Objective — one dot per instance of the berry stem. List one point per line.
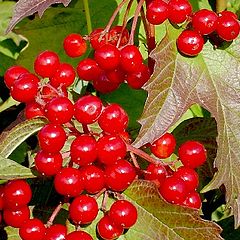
(88, 16)
(143, 155)
(104, 202)
(135, 19)
(100, 193)
(221, 5)
(54, 214)
(135, 163)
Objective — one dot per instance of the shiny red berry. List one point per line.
(74, 45)
(192, 154)
(77, 235)
(123, 213)
(116, 76)
(190, 43)
(164, 146)
(193, 200)
(56, 232)
(113, 119)
(69, 182)
(96, 39)
(46, 63)
(228, 13)
(83, 209)
(118, 32)
(33, 110)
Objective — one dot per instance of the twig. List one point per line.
(88, 16)
(54, 214)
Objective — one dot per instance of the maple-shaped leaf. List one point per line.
(212, 79)
(24, 8)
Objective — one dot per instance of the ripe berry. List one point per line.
(48, 164)
(116, 76)
(119, 175)
(192, 200)
(12, 74)
(25, 88)
(228, 27)
(123, 213)
(107, 57)
(1, 198)
(84, 150)
(74, 45)
(83, 209)
(93, 177)
(46, 63)
(69, 182)
(157, 12)
(107, 229)
(16, 218)
(173, 190)
(164, 146)
(63, 76)
(88, 69)
(156, 173)
(115, 33)
(33, 110)
(188, 175)
(48, 92)
(51, 138)
(110, 148)
(113, 119)
(76, 235)
(17, 193)
(32, 229)
(56, 232)
(179, 10)
(95, 39)
(131, 58)
(204, 21)
(228, 13)
(192, 154)
(59, 110)
(190, 43)
(87, 109)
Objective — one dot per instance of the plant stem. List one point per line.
(54, 214)
(88, 16)
(221, 5)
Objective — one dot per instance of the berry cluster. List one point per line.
(201, 23)
(177, 187)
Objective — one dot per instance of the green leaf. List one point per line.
(10, 140)
(178, 82)
(8, 103)
(9, 169)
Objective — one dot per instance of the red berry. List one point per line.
(192, 154)
(95, 39)
(59, 110)
(110, 149)
(48, 92)
(46, 63)
(77, 235)
(113, 119)
(164, 146)
(12, 74)
(87, 109)
(103, 85)
(188, 175)
(190, 43)
(119, 175)
(131, 58)
(52, 138)
(1, 198)
(156, 173)
(94, 180)
(179, 10)
(228, 28)
(74, 45)
(107, 57)
(116, 76)
(157, 12)
(192, 200)
(88, 70)
(137, 79)
(16, 218)
(56, 232)
(25, 88)
(32, 229)
(123, 213)
(33, 110)
(83, 209)
(17, 193)
(204, 21)
(69, 182)
(48, 164)
(115, 33)
(173, 190)
(228, 13)
(84, 150)
(63, 76)
(107, 229)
